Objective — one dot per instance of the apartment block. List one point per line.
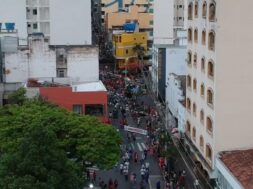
(219, 80)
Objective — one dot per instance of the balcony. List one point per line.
(197, 153)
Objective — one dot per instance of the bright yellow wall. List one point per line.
(124, 43)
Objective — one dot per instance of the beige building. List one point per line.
(219, 99)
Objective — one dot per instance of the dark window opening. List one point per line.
(94, 109)
(34, 11)
(78, 108)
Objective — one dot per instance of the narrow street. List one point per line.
(124, 109)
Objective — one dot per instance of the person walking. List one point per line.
(158, 184)
(94, 176)
(115, 184)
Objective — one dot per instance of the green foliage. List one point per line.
(17, 97)
(43, 146)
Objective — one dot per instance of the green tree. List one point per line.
(36, 129)
(17, 97)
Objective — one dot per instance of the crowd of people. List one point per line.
(124, 102)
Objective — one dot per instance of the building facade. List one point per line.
(219, 88)
(50, 17)
(169, 48)
(127, 47)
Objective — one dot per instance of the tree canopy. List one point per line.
(43, 146)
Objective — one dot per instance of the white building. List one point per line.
(40, 60)
(169, 48)
(219, 81)
(14, 11)
(175, 100)
(70, 22)
(61, 21)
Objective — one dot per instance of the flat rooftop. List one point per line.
(240, 164)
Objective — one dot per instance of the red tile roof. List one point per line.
(240, 164)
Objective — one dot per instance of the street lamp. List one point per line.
(91, 185)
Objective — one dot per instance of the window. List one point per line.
(190, 11)
(188, 128)
(211, 41)
(196, 9)
(78, 108)
(204, 10)
(196, 35)
(126, 51)
(195, 58)
(188, 104)
(61, 72)
(194, 109)
(202, 116)
(194, 133)
(151, 10)
(189, 59)
(28, 25)
(151, 22)
(201, 142)
(203, 37)
(35, 26)
(210, 97)
(203, 64)
(190, 35)
(120, 39)
(202, 90)
(189, 81)
(94, 109)
(209, 152)
(34, 11)
(210, 69)
(209, 125)
(195, 85)
(212, 12)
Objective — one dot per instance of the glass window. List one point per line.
(94, 109)
(78, 108)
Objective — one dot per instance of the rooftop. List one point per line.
(89, 87)
(240, 164)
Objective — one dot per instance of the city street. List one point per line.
(139, 145)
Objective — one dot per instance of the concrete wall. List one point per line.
(70, 22)
(42, 62)
(83, 64)
(234, 78)
(37, 62)
(176, 60)
(14, 11)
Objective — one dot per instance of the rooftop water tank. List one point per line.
(9, 26)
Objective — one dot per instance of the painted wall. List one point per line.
(233, 76)
(64, 97)
(70, 23)
(14, 11)
(83, 64)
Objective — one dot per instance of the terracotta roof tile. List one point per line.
(240, 164)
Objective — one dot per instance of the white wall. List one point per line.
(163, 21)
(16, 67)
(43, 60)
(14, 11)
(70, 22)
(41, 63)
(176, 60)
(83, 65)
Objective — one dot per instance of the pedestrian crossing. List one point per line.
(138, 146)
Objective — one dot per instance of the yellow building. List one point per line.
(127, 46)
